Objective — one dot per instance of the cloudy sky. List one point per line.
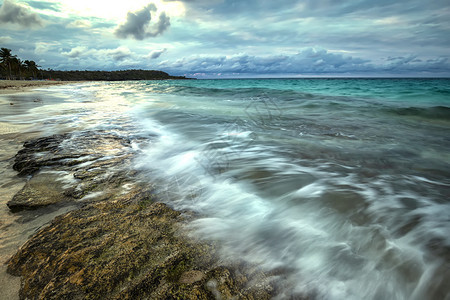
(233, 38)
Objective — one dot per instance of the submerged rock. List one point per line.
(121, 243)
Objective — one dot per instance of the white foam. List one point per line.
(336, 235)
(326, 253)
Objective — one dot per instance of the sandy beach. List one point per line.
(18, 86)
(12, 136)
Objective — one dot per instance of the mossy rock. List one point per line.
(121, 250)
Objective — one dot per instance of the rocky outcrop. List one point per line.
(126, 248)
(67, 167)
(121, 243)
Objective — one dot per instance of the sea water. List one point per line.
(340, 187)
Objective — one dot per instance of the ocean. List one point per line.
(342, 186)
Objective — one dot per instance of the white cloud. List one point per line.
(5, 39)
(75, 52)
(388, 21)
(79, 24)
(156, 53)
(307, 61)
(43, 47)
(117, 54)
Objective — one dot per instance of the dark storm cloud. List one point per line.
(17, 14)
(161, 26)
(138, 26)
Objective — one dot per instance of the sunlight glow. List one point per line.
(118, 11)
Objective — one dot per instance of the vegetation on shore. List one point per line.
(13, 68)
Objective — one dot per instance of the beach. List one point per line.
(18, 86)
(11, 139)
(307, 188)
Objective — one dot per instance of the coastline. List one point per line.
(101, 215)
(20, 86)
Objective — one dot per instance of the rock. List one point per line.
(127, 247)
(190, 277)
(37, 153)
(121, 243)
(40, 190)
(95, 161)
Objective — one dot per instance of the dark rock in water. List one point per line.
(94, 161)
(121, 243)
(128, 247)
(37, 153)
(67, 150)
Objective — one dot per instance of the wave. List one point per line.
(230, 92)
(435, 112)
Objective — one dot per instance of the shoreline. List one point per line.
(111, 218)
(20, 86)
(100, 214)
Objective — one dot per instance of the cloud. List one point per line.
(79, 24)
(308, 61)
(161, 26)
(5, 39)
(308, 8)
(43, 5)
(410, 63)
(138, 26)
(75, 52)
(42, 47)
(156, 53)
(117, 54)
(17, 14)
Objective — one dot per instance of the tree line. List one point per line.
(13, 68)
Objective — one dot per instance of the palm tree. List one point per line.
(19, 64)
(32, 67)
(6, 58)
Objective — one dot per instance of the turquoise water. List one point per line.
(416, 91)
(343, 183)
(340, 185)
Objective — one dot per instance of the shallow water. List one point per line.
(341, 185)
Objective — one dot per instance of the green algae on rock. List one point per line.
(118, 249)
(121, 243)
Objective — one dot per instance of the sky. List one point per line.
(233, 38)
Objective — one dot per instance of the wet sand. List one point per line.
(13, 230)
